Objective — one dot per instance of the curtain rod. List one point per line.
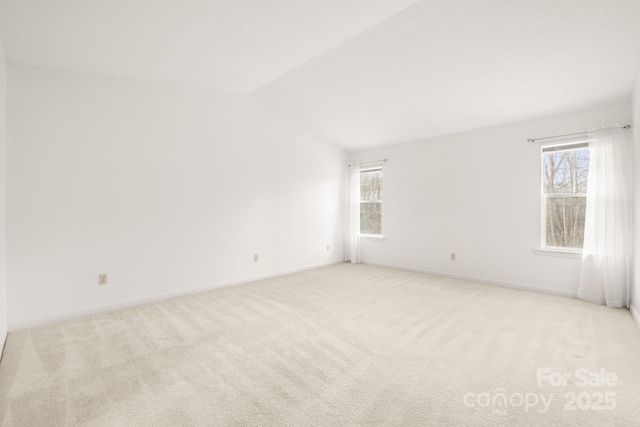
(568, 134)
(364, 163)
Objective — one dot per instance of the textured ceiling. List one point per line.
(360, 72)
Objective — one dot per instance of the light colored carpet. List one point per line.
(338, 346)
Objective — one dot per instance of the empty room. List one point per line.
(319, 213)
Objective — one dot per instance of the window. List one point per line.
(564, 186)
(371, 201)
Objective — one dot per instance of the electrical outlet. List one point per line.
(328, 247)
(102, 279)
(256, 258)
(453, 256)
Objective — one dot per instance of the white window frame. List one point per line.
(369, 169)
(579, 144)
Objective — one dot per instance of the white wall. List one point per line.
(476, 194)
(3, 235)
(635, 291)
(165, 188)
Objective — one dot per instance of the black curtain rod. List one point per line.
(568, 134)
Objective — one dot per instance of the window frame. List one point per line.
(379, 201)
(579, 144)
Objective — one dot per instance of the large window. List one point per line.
(564, 186)
(371, 201)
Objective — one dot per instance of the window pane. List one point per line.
(370, 218)
(566, 171)
(565, 221)
(371, 185)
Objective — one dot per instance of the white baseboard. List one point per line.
(636, 315)
(16, 326)
(482, 280)
(3, 339)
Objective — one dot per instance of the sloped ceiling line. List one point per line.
(362, 73)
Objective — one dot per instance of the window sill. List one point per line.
(372, 236)
(559, 252)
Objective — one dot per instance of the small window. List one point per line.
(371, 201)
(565, 169)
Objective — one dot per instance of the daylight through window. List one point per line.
(564, 188)
(371, 201)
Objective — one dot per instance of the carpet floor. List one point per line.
(345, 345)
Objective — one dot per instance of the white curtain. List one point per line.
(605, 275)
(353, 237)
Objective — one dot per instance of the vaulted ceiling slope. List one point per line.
(235, 45)
(361, 73)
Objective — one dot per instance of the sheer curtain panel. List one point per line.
(353, 237)
(605, 275)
